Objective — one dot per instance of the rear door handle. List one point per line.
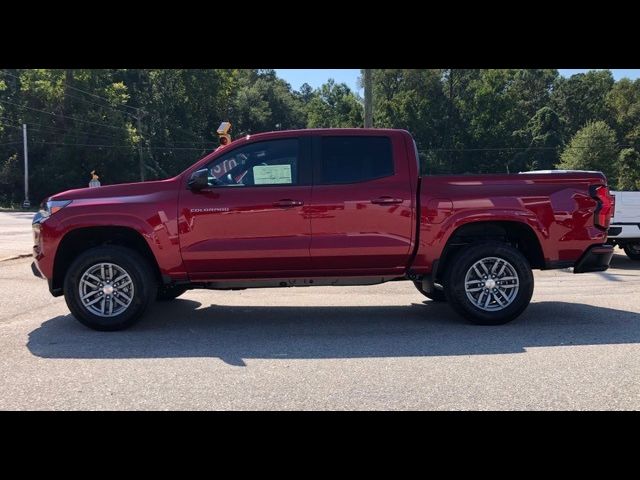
(386, 200)
(288, 203)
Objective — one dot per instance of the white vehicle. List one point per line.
(624, 229)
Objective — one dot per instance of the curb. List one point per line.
(15, 257)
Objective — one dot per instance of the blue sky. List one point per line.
(316, 77)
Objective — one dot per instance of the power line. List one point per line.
(82, 99)
(200, 148)
(9, 125)
(96, 96)
(56, 130)
(116, 146)
(94, 103)
(501, 149)
(92, 123)
(60, 115)
(59, 130)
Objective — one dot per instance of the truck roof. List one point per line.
(325, 131)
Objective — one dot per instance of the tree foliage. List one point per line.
(629, 169)
(592, 148)
(463, 120)
(334, 106)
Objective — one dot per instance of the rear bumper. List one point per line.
(623, 231)
(595, 259)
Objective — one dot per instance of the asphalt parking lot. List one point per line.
(383, 347)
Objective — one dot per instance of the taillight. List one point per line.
(605, 208)
(613, 205)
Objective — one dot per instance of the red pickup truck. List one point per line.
(319, 207)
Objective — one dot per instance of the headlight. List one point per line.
(52, 206)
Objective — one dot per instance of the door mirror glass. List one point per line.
(199, 180)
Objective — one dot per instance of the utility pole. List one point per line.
(26, 203)
(141, 159)
(368, 97)
(449, 122)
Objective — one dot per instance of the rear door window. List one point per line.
(345, 159)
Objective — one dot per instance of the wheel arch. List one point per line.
(515, 233)
(82, 239)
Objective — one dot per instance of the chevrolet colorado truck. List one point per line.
(625, 227)
(319, 207)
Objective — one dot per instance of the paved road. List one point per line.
(383, 347)
(15, 233)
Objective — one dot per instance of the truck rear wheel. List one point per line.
(108, 288)
(632, 250)
(435, 295)
(489, 283)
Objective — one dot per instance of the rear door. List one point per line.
(361, 207)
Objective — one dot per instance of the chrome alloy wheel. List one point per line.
(106, 290)
(491, 284)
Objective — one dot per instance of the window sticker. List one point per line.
(271, 174)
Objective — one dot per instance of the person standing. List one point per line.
(94, 180)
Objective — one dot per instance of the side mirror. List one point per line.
(199, 180)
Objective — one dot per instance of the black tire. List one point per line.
(142, 278)
(463, 262)
(632, 250)
(436, 295)
(169, 292)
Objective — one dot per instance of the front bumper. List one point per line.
(595, 259)
(36, 271)
(46, 237)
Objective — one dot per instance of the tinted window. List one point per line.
(273, 162)
(355, 159)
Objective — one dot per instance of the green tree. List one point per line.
(581, 98)
(545, 131)
(334, 105)
(184, 108)
(305, 94)
(623, 100)
(629, 169)
(415, 100)
(69, 133)
(263, 102)
(593, 147)
(463, 120)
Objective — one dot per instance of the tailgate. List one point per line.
(627, 207)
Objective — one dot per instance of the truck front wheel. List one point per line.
(489, 283)
(109, 287)
(632, 250)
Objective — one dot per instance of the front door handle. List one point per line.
(386, 200)
(288, 203)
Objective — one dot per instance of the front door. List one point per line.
(251, 221)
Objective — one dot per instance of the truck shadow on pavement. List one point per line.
(622, 262)
(183, 328)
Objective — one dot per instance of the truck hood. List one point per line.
(118, 190)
